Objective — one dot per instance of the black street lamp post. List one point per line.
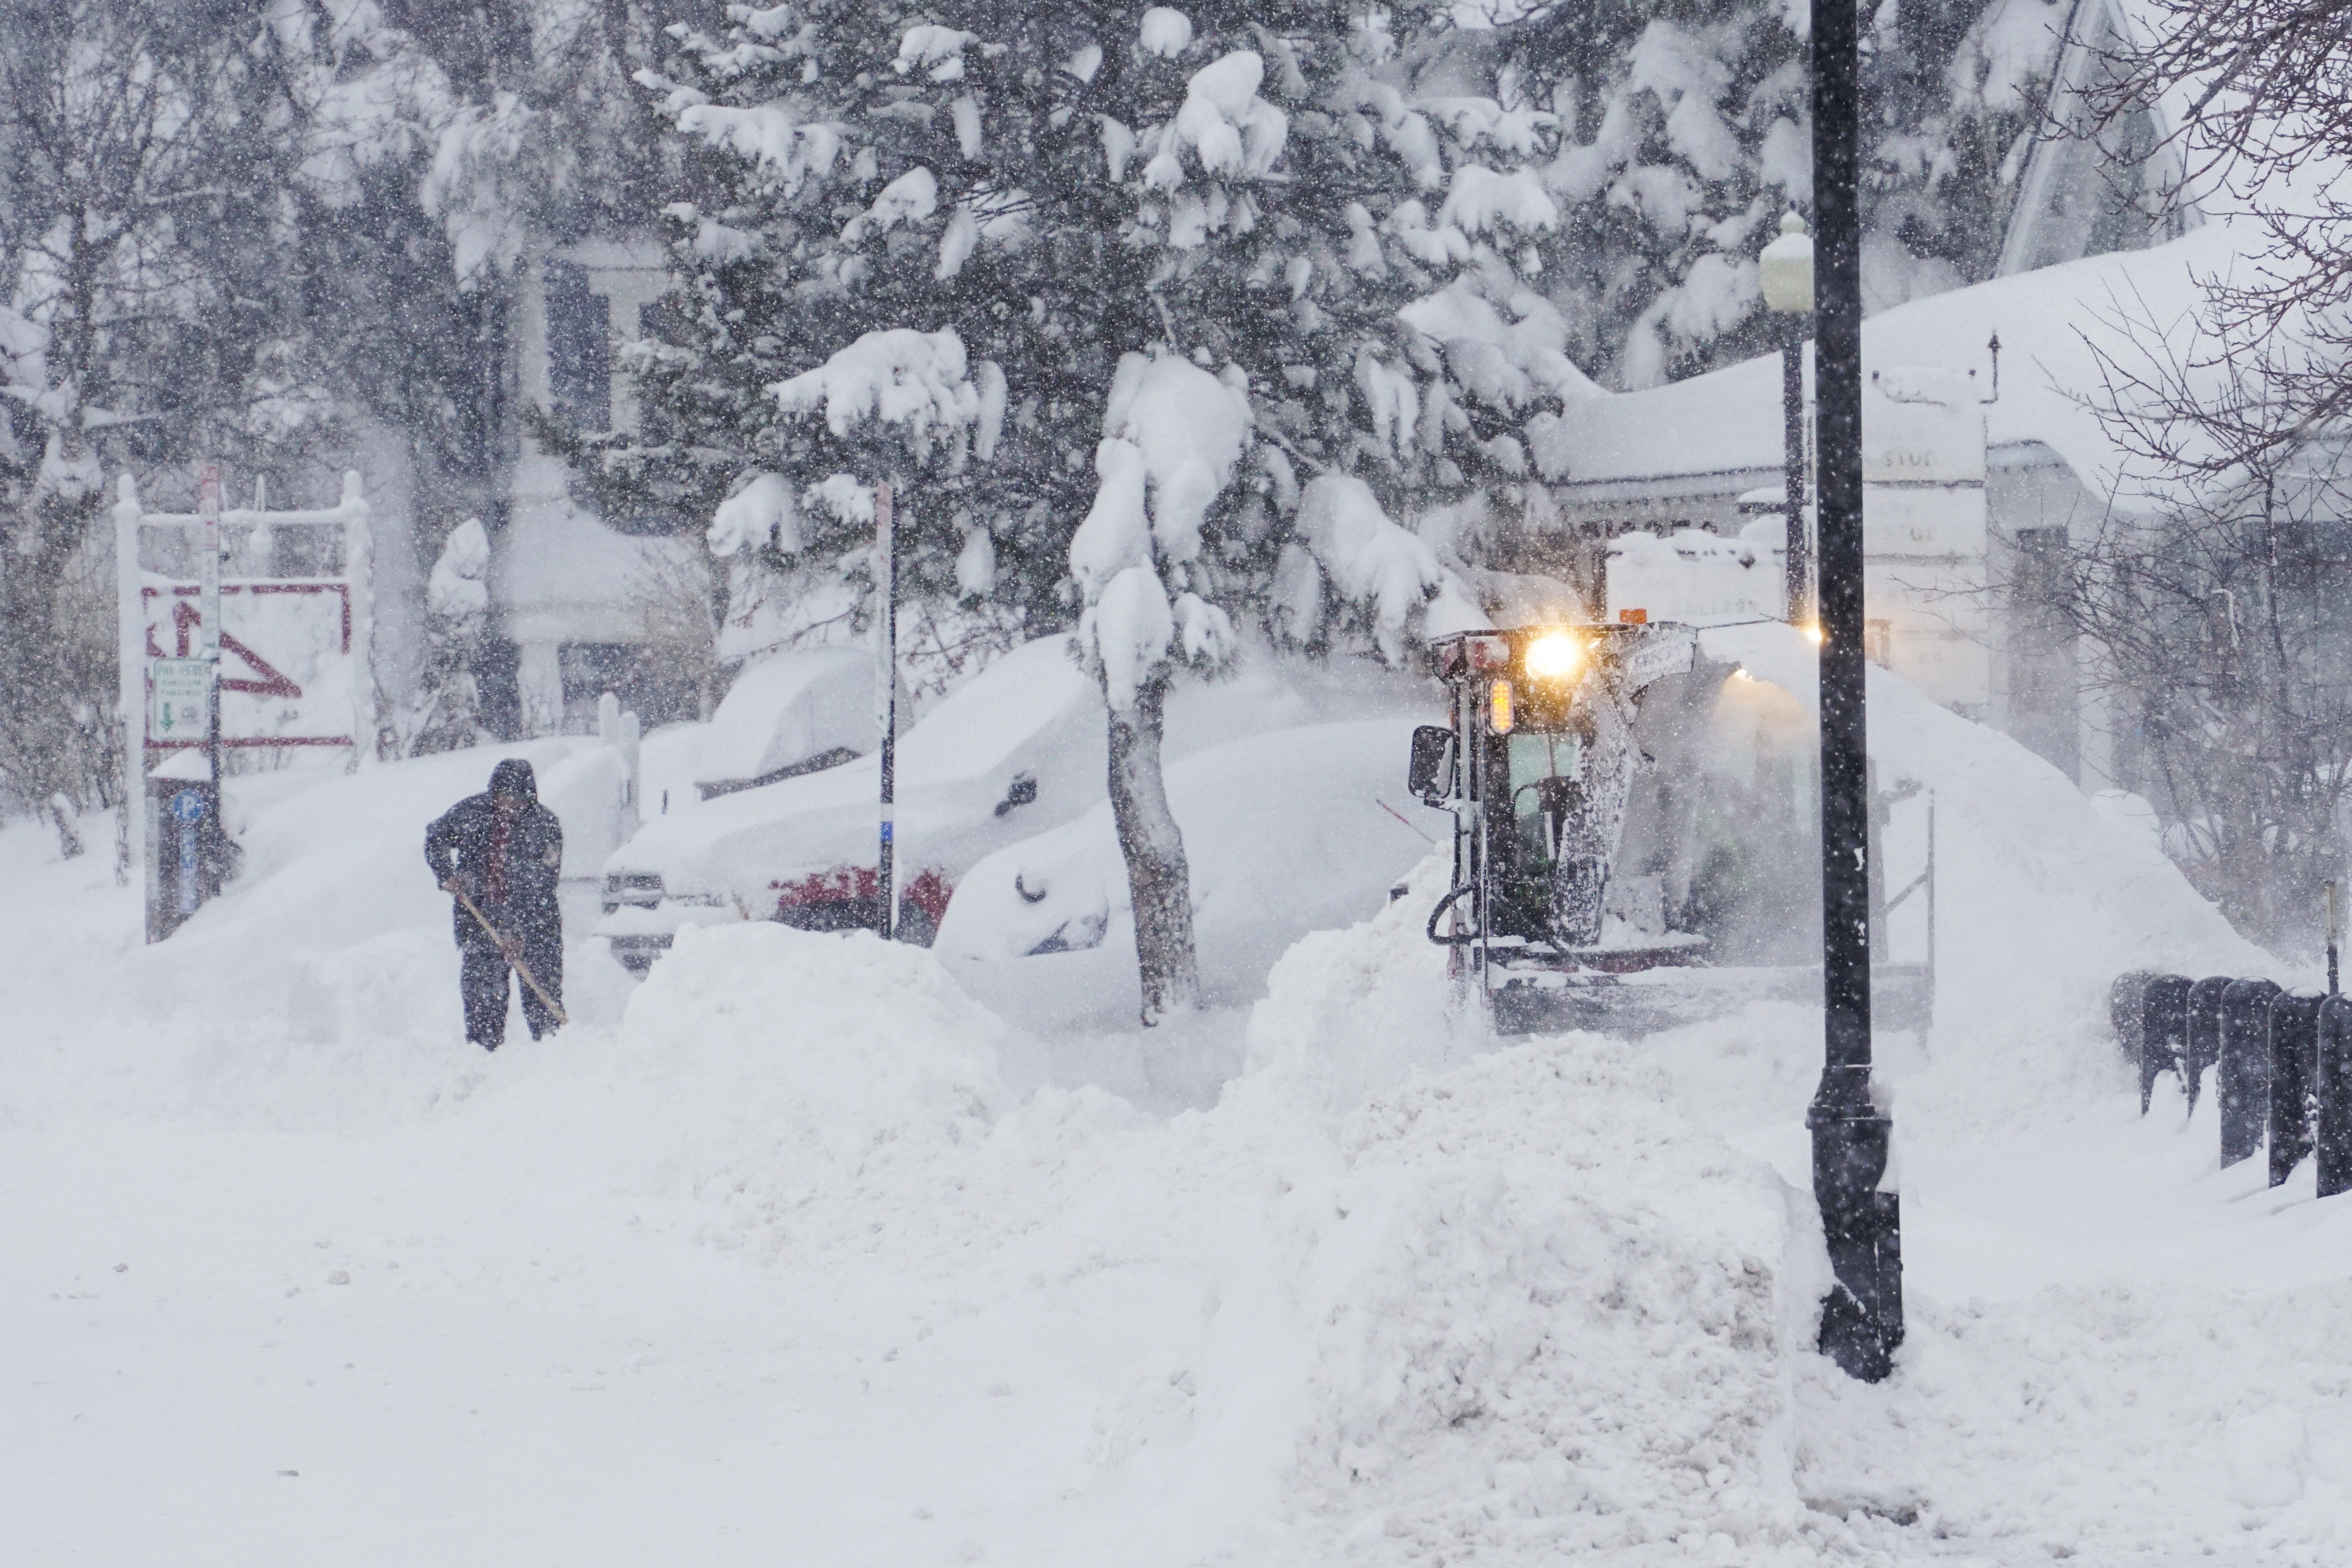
(1862, 1322)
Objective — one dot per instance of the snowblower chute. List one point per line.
(1636, 832)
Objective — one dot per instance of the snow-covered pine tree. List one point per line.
(145, 156)
(1184, 240)
(1687, 133)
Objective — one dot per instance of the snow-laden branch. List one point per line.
(1174, 437)
(917, 381)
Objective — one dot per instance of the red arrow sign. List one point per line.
(185, 618)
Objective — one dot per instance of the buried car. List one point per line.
(1286, 832)
(1014, 750)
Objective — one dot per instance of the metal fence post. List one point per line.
(2241, 1079)
(2202, 1040)
(2295, 1049)
(2163, 1034)
(2335, 1095)
(2126, 1006)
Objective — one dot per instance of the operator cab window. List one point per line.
(1536, 761)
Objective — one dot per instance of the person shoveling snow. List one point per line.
(499, 855)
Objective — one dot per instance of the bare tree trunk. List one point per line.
(1166, 962)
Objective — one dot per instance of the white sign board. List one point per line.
(182, 692)
(286, 664)
(1921, 443)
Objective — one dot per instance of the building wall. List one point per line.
(579, 601)
(2034, 504)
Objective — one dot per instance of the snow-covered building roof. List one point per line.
(1722, 432)
(2084, 194)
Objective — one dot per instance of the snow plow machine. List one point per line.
(1637, 835)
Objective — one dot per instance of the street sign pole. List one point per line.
(208, 649)
(885, 555)
(1861, 1320)
(208, 602)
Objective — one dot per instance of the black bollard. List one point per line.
(2163, 1031)
(2334, 1096)
(2295, 1050)
(2127, 1010)
(2201, 1045)
(2241, 1078)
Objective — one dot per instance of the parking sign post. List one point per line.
(188, 810)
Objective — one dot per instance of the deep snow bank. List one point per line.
(1510, 1306)
(2042, 899)
(798, 1070)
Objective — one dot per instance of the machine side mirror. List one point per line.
(1430, 777)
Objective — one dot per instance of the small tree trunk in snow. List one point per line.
(1154, 849)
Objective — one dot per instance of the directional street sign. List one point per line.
(184, 692)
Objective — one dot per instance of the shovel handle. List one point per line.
(506, 946)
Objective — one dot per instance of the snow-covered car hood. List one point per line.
(1032, 715)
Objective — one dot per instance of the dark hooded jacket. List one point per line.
(513, 881)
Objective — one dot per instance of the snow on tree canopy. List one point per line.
(910, 198)
(774, 136)
(1166, 33)
(1129, 629)
(975, 566)
(1229, 128)
(899, 376)
(1188, 428)
(1174, 437)
(1372, 563)
(940, 49)
(1481, 198)
(1505, 364)
(758, 515)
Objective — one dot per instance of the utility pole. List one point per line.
(1861, 1320)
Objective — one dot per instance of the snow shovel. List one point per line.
(496, 935)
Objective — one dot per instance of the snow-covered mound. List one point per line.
(1512, 1304)
(817, 1083)
(2042, 898)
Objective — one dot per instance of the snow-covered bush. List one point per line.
(446, 713)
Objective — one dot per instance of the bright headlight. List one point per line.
(1554, 655)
